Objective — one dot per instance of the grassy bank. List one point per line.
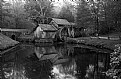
(96, 41)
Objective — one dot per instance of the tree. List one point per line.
(68, 11)
(1, 11)
(66, 14)
(83, 14)
(85, 17)
(39, 8)
(4, 12)
(93, 13)
(17, 12)
(113, 11)
(15, 16)
(104, 15)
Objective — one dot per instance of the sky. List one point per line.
(61, 3)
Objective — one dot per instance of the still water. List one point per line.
(30, 61)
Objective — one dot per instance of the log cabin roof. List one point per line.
(61, 21)
(47, 27)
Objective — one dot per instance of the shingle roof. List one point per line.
(61, 21)
(47, 27)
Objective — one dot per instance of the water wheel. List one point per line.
(63, 33)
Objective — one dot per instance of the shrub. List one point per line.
(115, 63)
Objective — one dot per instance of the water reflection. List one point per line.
(65, 70)
(14, 72)
(54, 62)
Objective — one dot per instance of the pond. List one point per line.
(59, 61)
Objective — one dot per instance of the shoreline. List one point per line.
(6, 43)
(8, 49)
(95, 42)
(98, 43)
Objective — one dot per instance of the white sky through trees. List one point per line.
(58, 4)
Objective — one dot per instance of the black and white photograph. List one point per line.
(60, 39)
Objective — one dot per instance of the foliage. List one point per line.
(115, 63)
(67, 10)
(85, 18)
(2, 13)
(39, 8)
(17, 13)
(12, 13)
(66, 14)
(102, 15)
(82, 13)
(113, 12)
